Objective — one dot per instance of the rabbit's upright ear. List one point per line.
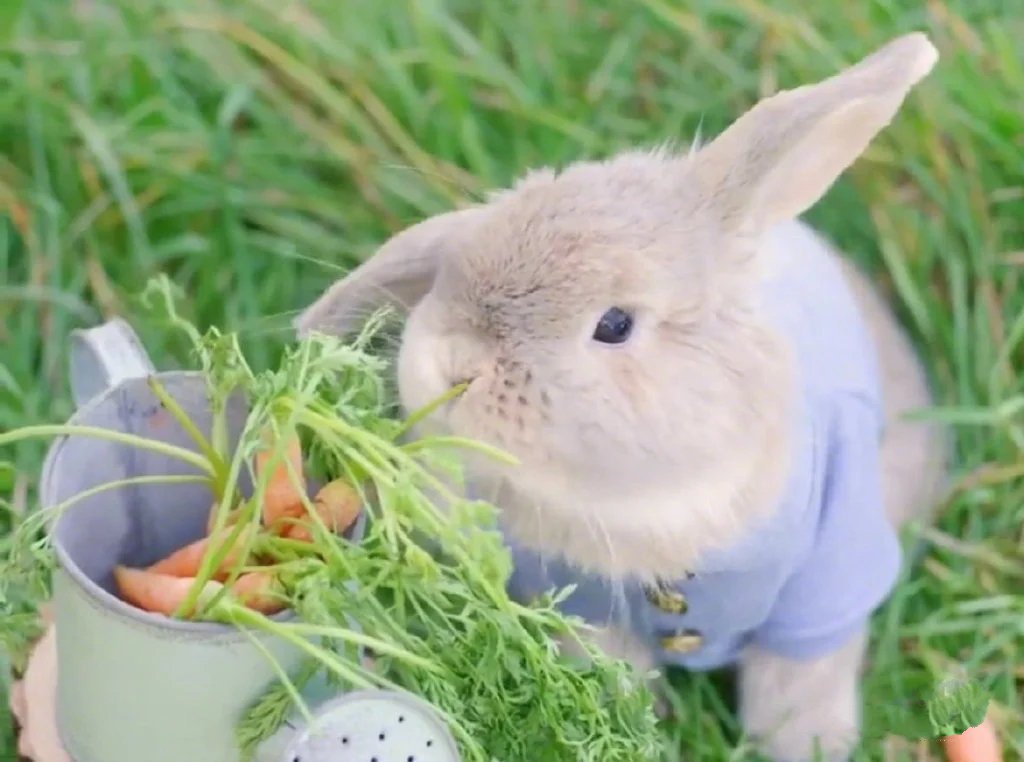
(399, 274)
(784, 154)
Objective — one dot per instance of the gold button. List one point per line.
(682, 642)
(667, 599)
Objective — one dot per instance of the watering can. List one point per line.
(139, 687)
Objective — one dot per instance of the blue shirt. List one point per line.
(807, 577)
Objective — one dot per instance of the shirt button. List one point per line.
(682, 642)
(666, 599)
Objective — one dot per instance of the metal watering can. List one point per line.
(138, 687)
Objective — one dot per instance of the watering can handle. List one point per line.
(104, 357)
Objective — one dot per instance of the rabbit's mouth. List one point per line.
(496, 415)
(507, 411)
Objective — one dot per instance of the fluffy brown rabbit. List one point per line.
(705, 400)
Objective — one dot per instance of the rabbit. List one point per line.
(704, 399)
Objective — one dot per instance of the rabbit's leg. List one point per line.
(792, 709)
(620, 643)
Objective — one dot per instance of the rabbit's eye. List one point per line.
(614, 326)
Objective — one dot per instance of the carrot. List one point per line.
(185, 562)
(283, 521)
(259, 591)
(158, 593)
(281, 496)
(977, 744)
(338, 506)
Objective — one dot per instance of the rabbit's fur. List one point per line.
(694, 411)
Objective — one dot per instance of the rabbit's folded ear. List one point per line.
(399, 274)
(780, 157)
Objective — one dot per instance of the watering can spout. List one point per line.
(104, 357)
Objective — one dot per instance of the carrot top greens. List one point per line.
(424, 588)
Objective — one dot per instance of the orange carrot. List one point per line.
(259, 591)
(977, 744)
(284, 520)
(338, 506)
(185, 562)
(158, 593)
(281, 496)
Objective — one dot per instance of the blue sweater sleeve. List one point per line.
(854, 560)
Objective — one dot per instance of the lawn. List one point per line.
(254, 150)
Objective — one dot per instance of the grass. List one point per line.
(254, 150)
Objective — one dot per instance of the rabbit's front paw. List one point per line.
(814, 735)
(621, 644)
(803, 711)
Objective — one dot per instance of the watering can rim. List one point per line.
(105, 358)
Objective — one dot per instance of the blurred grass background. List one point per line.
(254, 150)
